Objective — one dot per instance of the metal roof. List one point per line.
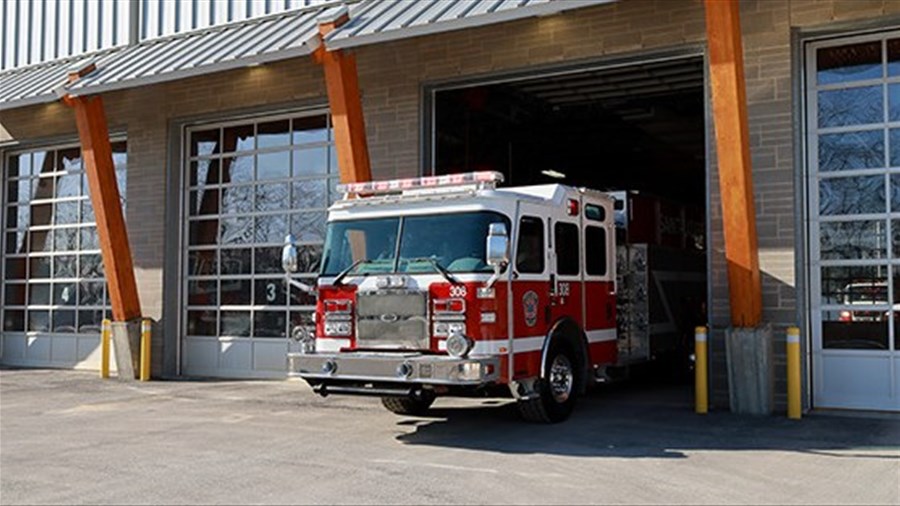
(220, 48)
(276, 37)
(223, 47)
(35, 84)
(383, 20)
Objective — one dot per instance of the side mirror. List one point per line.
(289, 260)
(497, 250)
(290, 263)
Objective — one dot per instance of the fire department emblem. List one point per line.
(530, 305)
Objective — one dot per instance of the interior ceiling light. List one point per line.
(554, 174)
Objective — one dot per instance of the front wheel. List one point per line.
(557, 391)
(415, 406)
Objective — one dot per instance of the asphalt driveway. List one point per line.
(68, 437)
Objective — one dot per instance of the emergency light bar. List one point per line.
(485, 178)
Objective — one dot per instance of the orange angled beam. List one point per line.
(96, 154)
(729, 101)
(342, 85)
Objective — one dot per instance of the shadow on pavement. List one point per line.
(649, 421)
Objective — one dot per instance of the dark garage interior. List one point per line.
(637, 127)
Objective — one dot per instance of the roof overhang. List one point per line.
(266, 39)
(388, 20)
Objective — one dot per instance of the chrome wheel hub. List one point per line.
(561, 379)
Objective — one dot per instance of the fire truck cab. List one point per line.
(449, 285)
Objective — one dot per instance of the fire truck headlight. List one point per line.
(458, 345)
(445, 329)
(337, 328)
(305, 337)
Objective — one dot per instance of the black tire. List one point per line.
(553, 405)
(415, 406)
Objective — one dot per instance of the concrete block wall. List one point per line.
(392, 76)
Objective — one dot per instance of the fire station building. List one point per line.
(223, 140)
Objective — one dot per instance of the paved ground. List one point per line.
(66, 437)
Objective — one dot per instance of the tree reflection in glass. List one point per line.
(852, 195)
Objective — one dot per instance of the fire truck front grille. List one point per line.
(392, 320)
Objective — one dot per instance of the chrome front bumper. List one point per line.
(402, 368)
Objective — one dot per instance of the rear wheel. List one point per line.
(557, 391)
(409, 405)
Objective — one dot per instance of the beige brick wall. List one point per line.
(392, 76)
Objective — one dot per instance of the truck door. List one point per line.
(566, 292)
(599, 285)
(530, 288)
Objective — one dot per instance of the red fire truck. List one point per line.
(451, 286)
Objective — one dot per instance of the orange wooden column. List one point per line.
(96, 155)
(729, 101)
(342, 84)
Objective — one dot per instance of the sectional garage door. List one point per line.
(248, 184)
(54, 290)
(853, 149)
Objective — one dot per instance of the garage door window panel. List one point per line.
(310, 194)
(310, 130)
(236, 230)
(270, 324)
(852, 106)
(275, 165)
(239, 138)
(205, 142)
(849, 240)
(854, 332)
(14, 321)
(274, 134)
(852, 195)
(237, 169)
(849, 63)
(851, 150)
(204, 172)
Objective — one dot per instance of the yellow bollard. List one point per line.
(701, 403)
(145, 350)
(793, 373)
(105, 331)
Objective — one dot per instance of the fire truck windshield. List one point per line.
(438, 242)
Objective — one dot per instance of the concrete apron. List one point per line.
(126, 337)
(750, 370)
